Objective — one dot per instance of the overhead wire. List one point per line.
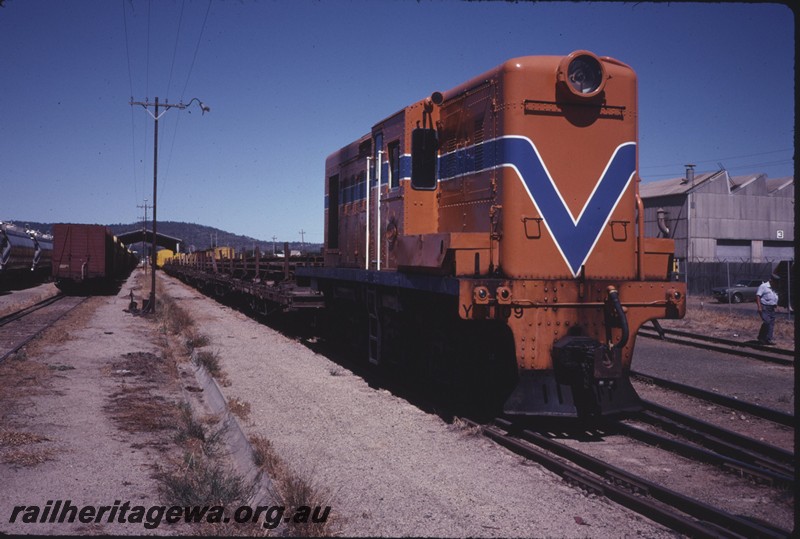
(172, 72)
(133, 122)
(720, 159)
(175, 47)
(146, 90)
(169, 85)
(196, 49)
(186, 84)
(740, 167)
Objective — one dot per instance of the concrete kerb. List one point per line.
(240, 449)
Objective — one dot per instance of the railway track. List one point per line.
(659, 503)
(763, 412)
(21, 327)
(753, 350)
(705, 442)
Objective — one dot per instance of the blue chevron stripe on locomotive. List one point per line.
(575, 237)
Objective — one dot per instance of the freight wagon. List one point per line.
(24, 256)
(89, 258)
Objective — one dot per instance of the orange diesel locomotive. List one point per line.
(495, 230)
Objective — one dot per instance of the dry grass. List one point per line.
(295, 491)
(27, 457)
(148, 366)
(200, 479)
(61, 333)
(14, 452)
(137, 410)
(209, 360)
(172, 318)
(239, 408)
(20, 377)
(459, 425)
(196, 475)
(264, 455)
(190, 427)
(195, 340)
(13, 438)
(24, 376)
(730, 323)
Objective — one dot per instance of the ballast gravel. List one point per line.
(386, 467)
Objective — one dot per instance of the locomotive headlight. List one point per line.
(583, 74)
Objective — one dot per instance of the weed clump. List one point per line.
(209, 360)
(202, 482)
(294, 490)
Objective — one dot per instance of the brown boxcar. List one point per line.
(89, 258)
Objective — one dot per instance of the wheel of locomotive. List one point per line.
(344, 328)
(439, 367)
(488, 364)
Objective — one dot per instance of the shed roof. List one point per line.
(162, 240)
(676, 186)
(681, 186)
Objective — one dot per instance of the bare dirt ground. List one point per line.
(386, 467)
(58, 437)
(73, 430)
(706, 316)
(90, 413)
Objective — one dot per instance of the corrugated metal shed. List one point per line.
(708, 214)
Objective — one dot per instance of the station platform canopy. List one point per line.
(162, 240)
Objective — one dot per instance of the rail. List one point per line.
(763, 412)
(12, 342)
(769, 354)
(677, 511)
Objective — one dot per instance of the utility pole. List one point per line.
(151, 306)
(144, 232)
(274, 251)
(302, 240)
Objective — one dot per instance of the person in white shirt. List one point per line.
(767, 302)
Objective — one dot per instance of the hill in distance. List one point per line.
(196, 237)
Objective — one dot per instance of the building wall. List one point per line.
(709, 222)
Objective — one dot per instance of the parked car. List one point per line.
(786, 285)
(743, 290)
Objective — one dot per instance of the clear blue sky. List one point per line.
(290, 81)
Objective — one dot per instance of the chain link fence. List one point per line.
(701, 275)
